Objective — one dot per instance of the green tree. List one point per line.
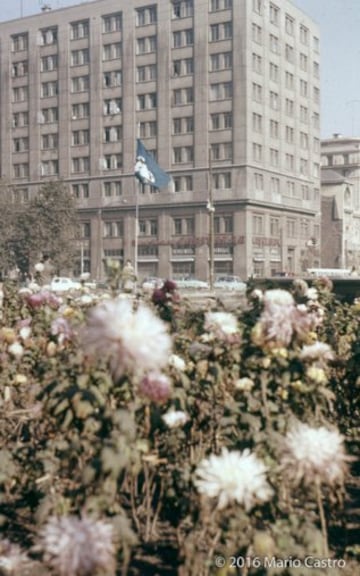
(47, 224)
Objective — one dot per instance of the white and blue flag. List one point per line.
(147, 170)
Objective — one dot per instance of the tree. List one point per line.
(47, 224)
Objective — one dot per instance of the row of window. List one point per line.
(292, 189)
(274, 14)
(275, 71)
(276, 159)
(263, 224)
(289, 133)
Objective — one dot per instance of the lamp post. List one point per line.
(211, 211)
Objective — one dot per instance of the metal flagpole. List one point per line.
(211, 211)
(136, 239)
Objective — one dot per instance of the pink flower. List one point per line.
(156, 387)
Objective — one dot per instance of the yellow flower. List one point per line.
(257, 335)
(279, 352)
(20, 379)
(8, 334)
(316, 374)
(68, 312)
(51, 349)
(266, 362)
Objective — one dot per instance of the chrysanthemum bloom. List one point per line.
(317, 352)
(175, 418)
(156, 387)
(233, 476)
(78, 546)
(131, 340)
(314, 453)
(177, 362)
(16, 350)
(221, 324)
(13, 560)
(244, 384)
(61, 328)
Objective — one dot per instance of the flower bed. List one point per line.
(141, 436)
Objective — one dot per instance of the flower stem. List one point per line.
(322, 518)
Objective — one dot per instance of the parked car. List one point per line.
(152, 282)
(190, 282)
(230, 283)
(63, 284)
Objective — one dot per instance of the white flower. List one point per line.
(223, 322)
(317, 351)
(134, 340)
(233, 476)
(311, 453)
(12, 559)
(16, 350)
(312, 294)
(78, 546)
(175, 418)
(39, 267)
(25, 332)
(245, 384)
(177, 362)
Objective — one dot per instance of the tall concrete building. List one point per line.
(224, 93)
(340, 202)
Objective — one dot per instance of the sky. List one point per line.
(339, 22)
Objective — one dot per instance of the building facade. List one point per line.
(340, 203)
(225, 94)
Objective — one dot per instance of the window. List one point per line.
(216, 5)
(274, 100)
(148, 227)
(20, 195)
(183, 96)
(274, 72)
(80, 137)
(48, 36)
(316, 69)
(290, 162)
(183, 183)
(112, 106)
(111, 51)
(183, 38)
(146, 45)
(303, 114)
(316, 95)
(49, 141)
(49, 115)
(80, 190)
(19, 42)
(257, 152)
(21, 144)
(257, 6)
(113, 229)
(304, 35)
(221, 91)
(274, 157)
(274, 14)
(275, 185)
(148, 129)
(257, 122)
(256, 33)
(111, 23)
(274, 226)
(21, 170)
(183, 154)
(258, 181)
(221, 31)
(112, 161)
(289, 107)
(303, 88)
(112, 79)
(257, 63)
(289, 134)
(304, 141)
(290, 188)
(289, 54)
(305, 192)
(20, 119)
(49, 89)
(146, 15)
(146, 101)
(80, 84)
(19, 69)
(303, 61)
(49, 63)
(183, 67)
(221, 151)
(112, 188)
(256, 92)
(80, 57)
(182, 8)
(79, 30)
(316, 43)
(291, 228)
(183, 125)
(274, 44)
(81, 110)
(258, 224)
(49, 168)
(274, 129)
(20, 94)
(289, 80)
(146, 73)
(85, 229)
(289, 25)
(221, 180)
(80, 164)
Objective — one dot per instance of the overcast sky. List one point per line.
(339, 22)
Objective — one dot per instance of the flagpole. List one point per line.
(136, 241)
(211, 211)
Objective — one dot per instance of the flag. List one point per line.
(147, 170)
